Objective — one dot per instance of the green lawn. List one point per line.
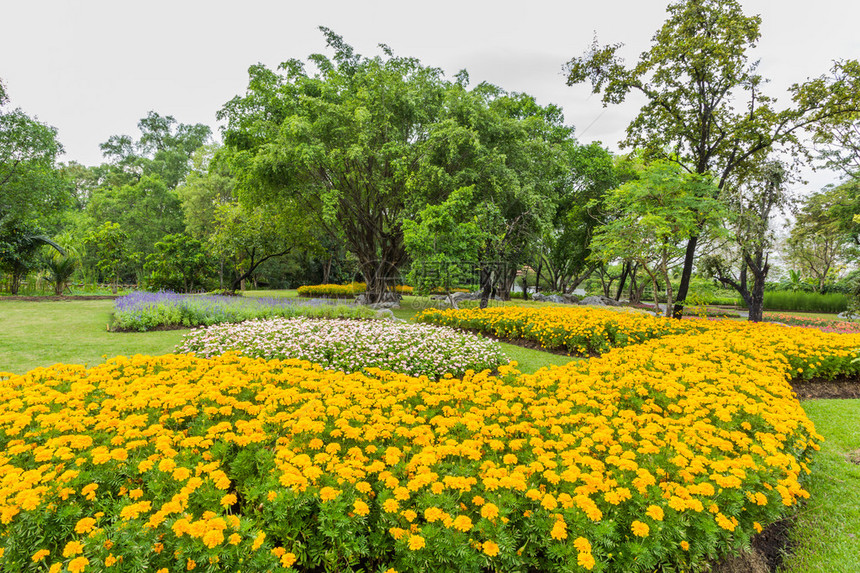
(34, 334)
(828, 527)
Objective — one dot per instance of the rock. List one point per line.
(556, 298)
(599, 301)
(570, 298)
(383, 305)
(386, 314)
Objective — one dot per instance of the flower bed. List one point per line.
(580, 331)
(667, 453)
(143, 311)
(352, 345)
(824, 324)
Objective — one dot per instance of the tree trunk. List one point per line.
(625, 270)
(486, 286)
(686, 275)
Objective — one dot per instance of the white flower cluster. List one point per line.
(351, 345)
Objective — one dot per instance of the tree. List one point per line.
(498, 162)
(20, 243)
(818, 239)
(250, 236)
(30, 186)
(705, 106)
(751, 208)
(342, 143)
(656, 214)
(179, 263)
(108, 244)
(839, 145)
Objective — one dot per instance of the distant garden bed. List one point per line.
(142, 311)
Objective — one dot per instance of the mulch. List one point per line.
(843, 388)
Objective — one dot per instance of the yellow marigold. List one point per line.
(258, 541)
(585, 560)
(390, 505)
(360, 507)
(410, 515)
(228, 500)
(462, 523)
(489, 511)
(328, 493)
(639, 529)
(78, 564)
(757, 526)
(397, 533)
(655, 512)
(39, 555)
(685, 546)
(416, 542)
(190, 565)
(287, 559)
(85, 525)
(72, 548)
(559, 530)
(582, 544)
(55, 568)
(490, 548)
(110, 560)
(213, 538)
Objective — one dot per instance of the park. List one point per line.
(394, 321)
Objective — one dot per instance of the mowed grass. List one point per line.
(827, 531)
(827, 534)
(34, 334)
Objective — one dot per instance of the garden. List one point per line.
(347, 444)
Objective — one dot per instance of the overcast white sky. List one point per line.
(93, 68)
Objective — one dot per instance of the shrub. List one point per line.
(143, 311)
(661, 456)
(352, 345)
(805, 301)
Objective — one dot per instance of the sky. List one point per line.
(93, 68)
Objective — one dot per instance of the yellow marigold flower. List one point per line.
(639, 529)
(72, 548)
(163, 570)
(39, 555)
(397, 533)
(416, 542)
(328, 493)
(585, 560)
(110, 560)
(685, 546)
(190, 565)
(490, 511)
(409, 515)
(390, 505)
(228, 500)
(559, 530)
(55, 568)
(78, 564)
(360, 508)
(582, 544)
(432, 514)
(85, 525)
(655, 512)
(277, 551)
(213, 538)
(462, 523)
(757, 526)
(549, 502)
(287, 560)
(490, 548)
(258, 541)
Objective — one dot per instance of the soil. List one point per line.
(53, 298)
(847, 387)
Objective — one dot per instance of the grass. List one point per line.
(827, 531)
(827, 534)
(34, 334)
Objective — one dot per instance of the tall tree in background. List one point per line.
(31, 188)
(751, 208)
(705, 107)
(656, 215)
(341, 143)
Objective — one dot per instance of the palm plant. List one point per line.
(60, 270)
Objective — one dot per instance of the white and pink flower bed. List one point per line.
(352, 345)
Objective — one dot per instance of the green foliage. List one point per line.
(805, 301)
(179, 264)
(655, 216)
(60, 269)
(108, 243)
(20, 243)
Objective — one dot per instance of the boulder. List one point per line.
(386, 314)
(383, 305)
